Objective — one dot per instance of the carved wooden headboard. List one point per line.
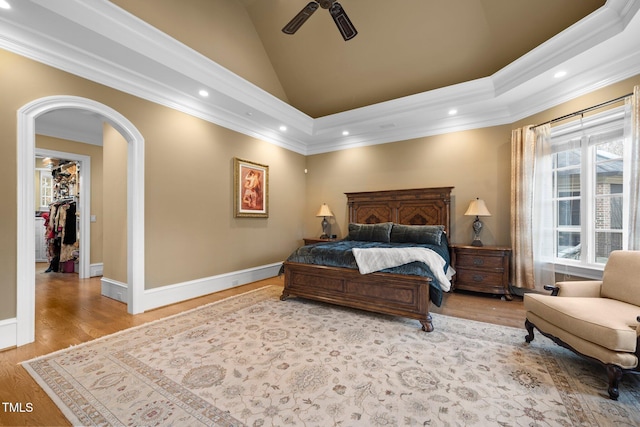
(420, 206)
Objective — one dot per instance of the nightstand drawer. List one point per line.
(478, 278)
(475, 260)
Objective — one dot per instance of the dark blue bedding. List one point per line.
(340, 254)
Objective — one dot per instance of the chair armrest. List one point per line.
(553, 289)
(579, 288)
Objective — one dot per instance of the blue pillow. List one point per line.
(429, 234)
(370, 232)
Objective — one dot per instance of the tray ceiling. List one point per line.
(402, 48)
(412, 62)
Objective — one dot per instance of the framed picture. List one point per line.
(251, 184)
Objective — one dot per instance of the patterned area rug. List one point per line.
(255, 360)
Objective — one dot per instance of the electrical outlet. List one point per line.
(119, 296)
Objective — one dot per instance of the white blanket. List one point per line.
(376, 259)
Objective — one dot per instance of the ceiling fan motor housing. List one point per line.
(338, 14)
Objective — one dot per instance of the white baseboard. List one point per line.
(114, 289)
(96, 269)
(8, 333)
(171, 294)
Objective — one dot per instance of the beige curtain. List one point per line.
(523, 151)
(543, 223)
(634, 185)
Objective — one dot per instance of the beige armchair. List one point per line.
(599, 320)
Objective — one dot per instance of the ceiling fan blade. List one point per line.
(343, 22)
(300, 18)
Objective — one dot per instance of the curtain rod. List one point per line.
(585, 110)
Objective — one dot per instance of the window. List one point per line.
(587, 188)
(46, 189)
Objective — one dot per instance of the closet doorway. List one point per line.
(27, 115)
(70, 177)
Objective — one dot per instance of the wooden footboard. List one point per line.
(394, 294)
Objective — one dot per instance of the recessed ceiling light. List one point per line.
(345, 132)
(453, 112)
(560, 74)
(4, 4)
(283, 128)
(203, 93)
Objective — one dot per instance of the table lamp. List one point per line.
(324, 212)
(477, 208)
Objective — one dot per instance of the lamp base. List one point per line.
(477, 228)
(325, 228)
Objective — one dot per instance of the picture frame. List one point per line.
(251, 189)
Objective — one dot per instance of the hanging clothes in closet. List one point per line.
(61, 236)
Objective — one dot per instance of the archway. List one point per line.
(25, 313)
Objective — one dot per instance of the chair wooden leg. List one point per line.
(615, 375)
(613, 372)
(529, 327)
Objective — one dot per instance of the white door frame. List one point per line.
(25, 310)
(84, 205)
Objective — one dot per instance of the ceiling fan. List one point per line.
(341, 19)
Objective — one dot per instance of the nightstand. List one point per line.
(482, 269)
(312, 240)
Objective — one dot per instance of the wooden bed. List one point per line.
(385, 293)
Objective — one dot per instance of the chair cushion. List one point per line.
(607, 322)
(620, 277)
(623, 359)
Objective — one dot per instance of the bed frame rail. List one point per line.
(393, 294)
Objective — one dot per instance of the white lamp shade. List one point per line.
(324, 211)
(477, 208)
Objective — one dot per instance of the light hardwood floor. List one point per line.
(70, 311)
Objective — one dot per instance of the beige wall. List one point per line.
(475, 162)
(95, 153)
(114, 216)
(190, 228)
(190, 231)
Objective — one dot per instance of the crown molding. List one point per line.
(103, 43)
(594, 29)
(587, 80)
